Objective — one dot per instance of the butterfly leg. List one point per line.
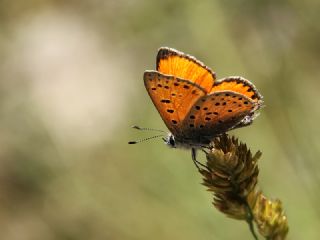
(198, 164)
(204, 151)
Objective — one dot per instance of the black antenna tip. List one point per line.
(136, 127)
(132, 142)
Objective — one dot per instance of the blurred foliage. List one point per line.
(71, 85)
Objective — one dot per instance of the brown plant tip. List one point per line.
(231, 173)
(270, 218)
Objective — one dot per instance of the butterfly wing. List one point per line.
(239, 85)
(173, 62)
(216, 113)
(173, 97)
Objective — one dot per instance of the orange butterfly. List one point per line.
(193, 104)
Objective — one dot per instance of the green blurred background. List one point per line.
(71, 86)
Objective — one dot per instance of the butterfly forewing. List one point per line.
(173, 62)
(173, 97)
(239, 85)
(217, 113)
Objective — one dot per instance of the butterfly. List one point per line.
(194, 105)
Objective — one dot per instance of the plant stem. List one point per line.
(250, 220)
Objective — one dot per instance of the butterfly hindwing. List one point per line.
(173, 97)
(239, 85)
(217, 113)
(173, 62)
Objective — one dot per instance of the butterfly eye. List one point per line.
(172, 141)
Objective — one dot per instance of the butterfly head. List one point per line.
(170, 141)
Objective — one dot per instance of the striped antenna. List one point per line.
(147, 129)
(145, 139)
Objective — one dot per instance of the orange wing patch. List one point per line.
(173, 97)
(239, 85)
(217, 113)
(173, 62)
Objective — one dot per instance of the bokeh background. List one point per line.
(71, 86)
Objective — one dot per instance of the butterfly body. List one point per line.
(194, 106)
(187, 142)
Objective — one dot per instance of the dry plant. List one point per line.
(231, 174)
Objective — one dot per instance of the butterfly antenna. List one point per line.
(147, 129)
(145, 139)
